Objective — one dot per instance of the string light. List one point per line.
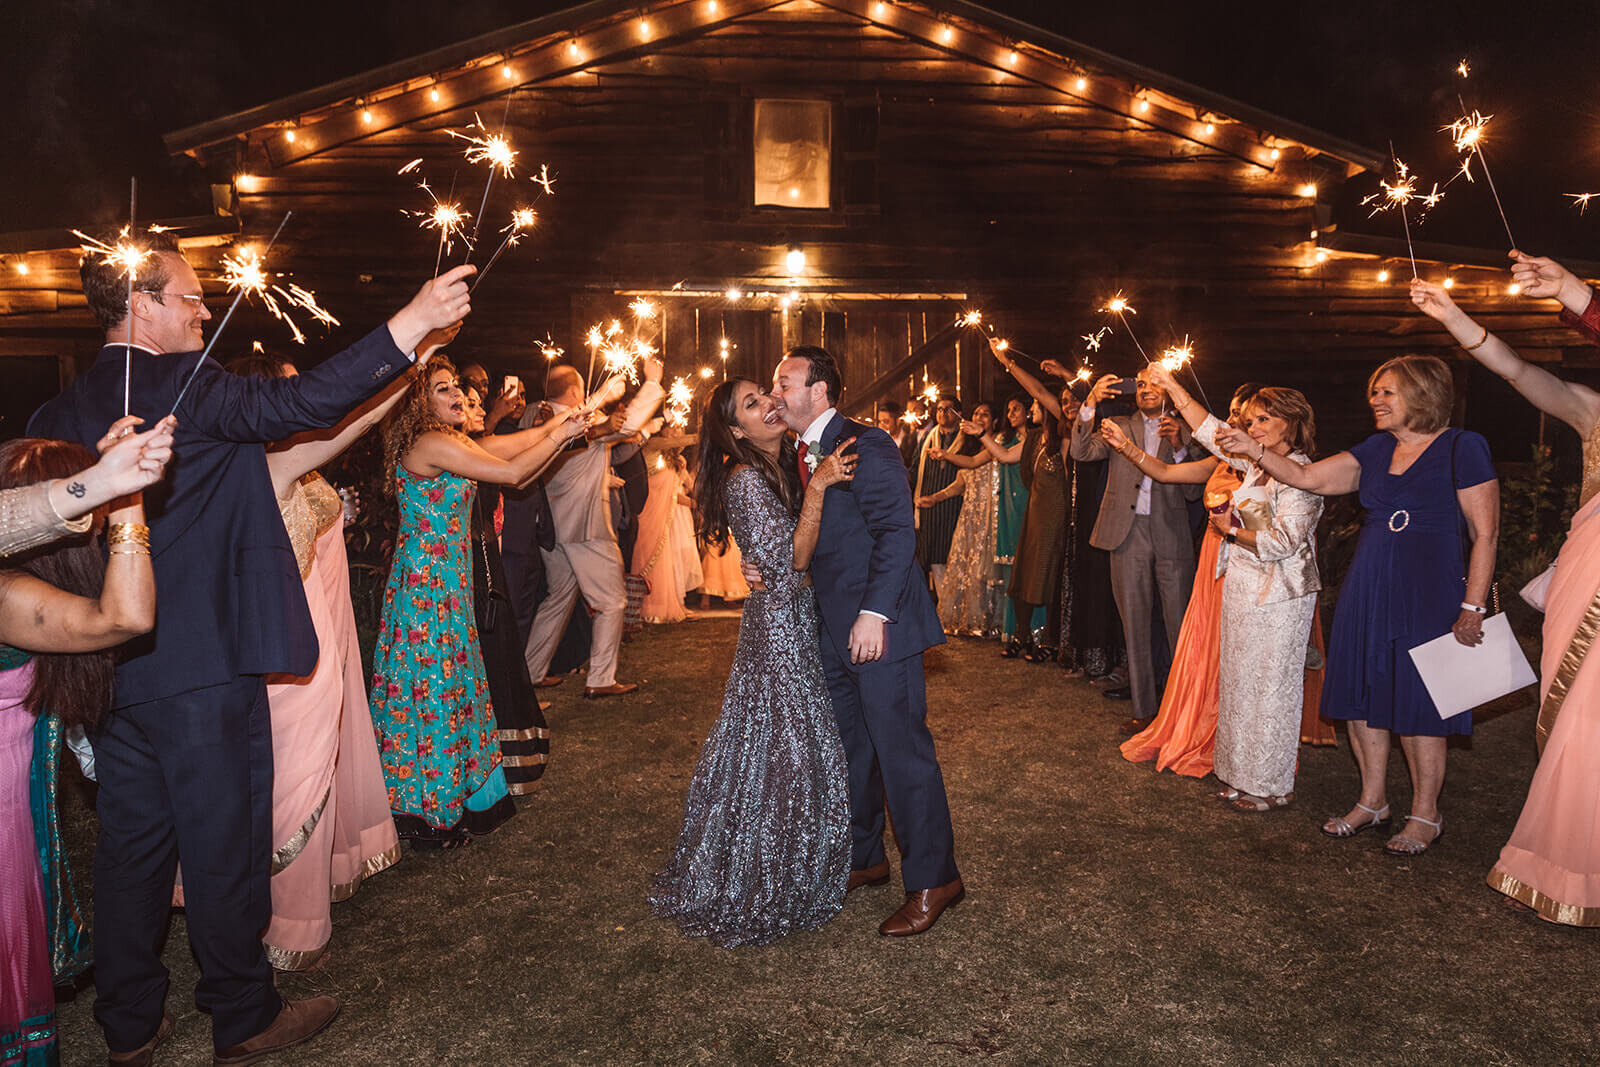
(366, 116)
(1308, 191)
(732, 295)
(880, 8)
(573, 50)
(947, 34)
(795, 259)
(288, 135)
(1383, 275)
(1082, 83)
(505, 72)
(1012, 57)
(1211, 128)
(1321, 256)
(1449, 283)
(246, 183)
(433, 94)
(1275, 154)
(1514, 288)
(706, 372)
(644, 29)
(22, 268)
(712, 6)
(1144, 106)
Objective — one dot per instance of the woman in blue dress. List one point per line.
(765, 845)
(1428, 491)
(430, 700)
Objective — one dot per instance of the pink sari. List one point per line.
(27, 997)
(1552, 862)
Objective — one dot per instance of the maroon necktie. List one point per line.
(805, 472)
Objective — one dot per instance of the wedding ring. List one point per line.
(1403, 517)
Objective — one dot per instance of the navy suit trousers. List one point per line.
(187, 777)
(882, 709)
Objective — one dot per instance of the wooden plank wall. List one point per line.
(1035, 207)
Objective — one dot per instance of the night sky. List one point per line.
(94, 83)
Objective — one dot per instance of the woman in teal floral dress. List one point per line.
(430, 701)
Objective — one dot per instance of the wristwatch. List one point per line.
(1231, 537)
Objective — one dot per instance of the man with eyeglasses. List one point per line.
(184, 760)
(936, 522)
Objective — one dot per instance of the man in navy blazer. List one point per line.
(184, 760)
(877, 618)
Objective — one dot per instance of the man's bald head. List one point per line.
(566, 385)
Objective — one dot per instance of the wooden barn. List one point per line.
(856, 173)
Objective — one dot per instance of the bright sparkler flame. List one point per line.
(486, 147)
(680, 401)
(1581, 199)
(448, 218)
(549, 350)
(614, 329)
(1091, 341)
(596, 337)
(1001, 345)
(1118, 305)
(1467, 131)
(911, 418)
(642, 309)
(930, 392)
(245, 272)
(1083, 375)
(544, 179)
(1401, 191)
(1177, 356)
(971, 318)
(1463, 69)
(409, 167)
(522, 218)
(127, 258)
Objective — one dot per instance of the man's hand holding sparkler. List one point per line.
(653, 368)
(429, 346)
(440, 302)
(1055, 369)
(1170, 433)
(1544, 279)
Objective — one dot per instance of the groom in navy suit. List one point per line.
(877, 619)
(184, 759)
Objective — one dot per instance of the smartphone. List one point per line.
(512, 386)
(1125, 387)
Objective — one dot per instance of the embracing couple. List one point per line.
(823, 717)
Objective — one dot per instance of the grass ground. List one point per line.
(1113, 914)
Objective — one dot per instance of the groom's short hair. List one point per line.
(822, 368)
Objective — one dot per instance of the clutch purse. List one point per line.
(1537, 590)
(1253, 507)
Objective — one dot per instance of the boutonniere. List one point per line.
(814, 457)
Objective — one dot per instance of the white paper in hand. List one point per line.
(1461, 678)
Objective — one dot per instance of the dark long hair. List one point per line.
(74, 685)
(721, 453)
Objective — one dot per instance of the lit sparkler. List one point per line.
(544, 179)
(1397, 194)
(1176, 357)
(1581, 200)
(492, 149)
(244, 274)
(238, 295)
(551, 352)
(1467, 134)
(447, 218)
(1091, 341)
(971, 318)
(642, 309)
(1118, 305)
(409, 167)
(522, 219)
(1463, 68)
(680, 400)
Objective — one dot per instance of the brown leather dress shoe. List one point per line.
(877, 874)
(615, 689)
(146, 1053)
(922, 909)
(300, 1020)
(548, 680)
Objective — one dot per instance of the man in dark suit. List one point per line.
(877, 619)
(1144, 524)
(890, 417)
(184, 760)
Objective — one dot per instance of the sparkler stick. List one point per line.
(1581, 200)
(446, 217)
(1467, 133)
(551, 353)
(493, 149)
(127, 353)
(1118, 305)
(223, 325)
(1398, 194)
(1176, 358)
(522, 218)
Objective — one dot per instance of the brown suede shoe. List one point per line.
(146, 1053)
(877, 874)
(615, 689)
(300, 1020)
(548, 680)
(922, 909)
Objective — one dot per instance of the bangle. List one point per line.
(124, 533)
(127, 549)
(1481, 342)
(1474, 608)
(1262, 454)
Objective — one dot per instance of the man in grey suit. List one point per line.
(1144, 524)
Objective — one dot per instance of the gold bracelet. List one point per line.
(126, 549)
(1481, 342)
(136, 533)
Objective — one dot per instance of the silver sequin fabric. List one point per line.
(765, 845)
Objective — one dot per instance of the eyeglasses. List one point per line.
(193, 300)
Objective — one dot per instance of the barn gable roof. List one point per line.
(569, 41)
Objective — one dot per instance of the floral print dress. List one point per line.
(430, 701)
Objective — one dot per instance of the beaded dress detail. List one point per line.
(765, 844)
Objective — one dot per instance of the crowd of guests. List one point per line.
(1146, 545)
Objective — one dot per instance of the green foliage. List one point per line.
(1534, 513)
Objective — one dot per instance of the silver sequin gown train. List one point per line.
(765, 844)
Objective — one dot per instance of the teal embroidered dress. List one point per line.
(430, 702)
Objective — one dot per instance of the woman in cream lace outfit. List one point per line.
(1269, 593)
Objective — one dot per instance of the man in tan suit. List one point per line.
(1144, 524)
(586, 558)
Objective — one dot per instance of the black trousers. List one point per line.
(187, 777)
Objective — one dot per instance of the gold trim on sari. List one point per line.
(532, 733)
(1572, 659)
(1548, 907)
(534, 760)
(283, 959)
(374, 864)
(285, 853)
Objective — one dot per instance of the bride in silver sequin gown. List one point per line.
(764, 849)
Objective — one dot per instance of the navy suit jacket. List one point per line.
(229, 597)
(866, 557)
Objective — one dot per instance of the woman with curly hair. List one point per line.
(61, 608)
(430, 701)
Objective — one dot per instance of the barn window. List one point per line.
(793, 147)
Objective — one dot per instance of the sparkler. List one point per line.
(243, 274)
(1397, 194)
(1581, 200)
(447, 218)
(1091, 341)
(1118, 305)
(523, 218)
(490, 148)
(1175, 358)
(551, 352)
(127, 257)
(1467, 134)
(971, 318)
(680, 400)
(223, 325)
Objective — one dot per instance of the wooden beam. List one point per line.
(889, 378)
